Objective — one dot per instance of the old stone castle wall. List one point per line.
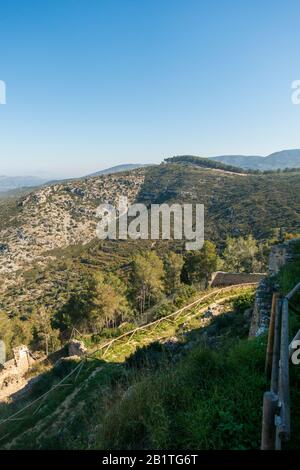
(12, 372)
(279, 256)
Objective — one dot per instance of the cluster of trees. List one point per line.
(100, 302)
(215, 164)
(282, 170)
(154, 277)
(206, 163)
(104, 300)
(14, 331)
(244, 255)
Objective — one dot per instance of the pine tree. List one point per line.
(173, 263)
(241, 254)
(199, 265)
(148, 276)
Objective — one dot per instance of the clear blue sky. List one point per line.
(94, 83)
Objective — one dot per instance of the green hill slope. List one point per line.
(234, 204)
(169, 394)
(204, 368)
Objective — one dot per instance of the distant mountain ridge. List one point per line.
(277, 160)
(8, 183)
(11, 183)
(274, 161)
(119, 169)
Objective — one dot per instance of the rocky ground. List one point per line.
(58, 216)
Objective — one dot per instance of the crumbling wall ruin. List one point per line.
(262, 308)
(279, 256)
(12, 372)
(221, 278)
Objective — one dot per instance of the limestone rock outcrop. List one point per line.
(76, 348)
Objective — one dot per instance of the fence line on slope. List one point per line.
(173, 314)
(109, 344)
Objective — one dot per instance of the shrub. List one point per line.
(244, 301)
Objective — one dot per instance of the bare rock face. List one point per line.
(76, 348)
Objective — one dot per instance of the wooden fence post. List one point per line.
(284, 380)
(268, 435)
(270, 347)
(276, 348)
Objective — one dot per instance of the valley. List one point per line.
(149, 233)
(134, 306)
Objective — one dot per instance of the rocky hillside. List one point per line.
(47, 236)
(47, 247)
(235, 204)
(57, 216)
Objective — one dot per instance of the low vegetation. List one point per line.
(209, 400)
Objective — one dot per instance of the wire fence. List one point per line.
(213, 295)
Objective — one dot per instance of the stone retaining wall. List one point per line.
(220, 278)
(279, 256)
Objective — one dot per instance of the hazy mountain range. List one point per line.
(8, 183)
(274, 161)
(278, 160)
(11, 183)
(119, 169)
